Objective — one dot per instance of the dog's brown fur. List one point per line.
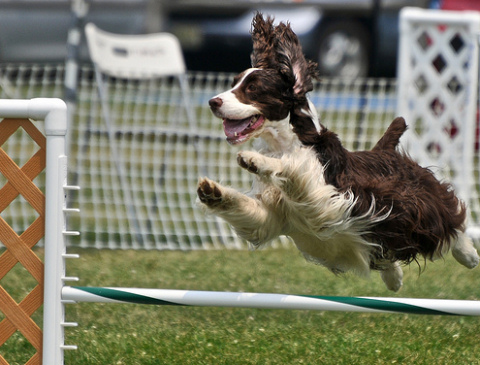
(425, 214)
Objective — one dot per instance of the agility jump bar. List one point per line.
(271, 301)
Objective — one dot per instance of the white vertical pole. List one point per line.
(55, 130)
(404, 67)
(468, 132)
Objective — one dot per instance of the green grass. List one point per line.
(138, 334)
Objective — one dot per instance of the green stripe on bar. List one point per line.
(382, 305)
(124, 296)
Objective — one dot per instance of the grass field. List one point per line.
(114, 334)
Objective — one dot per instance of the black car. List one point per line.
(350, 38)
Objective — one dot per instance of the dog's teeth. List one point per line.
(236, 134)
(253, 120)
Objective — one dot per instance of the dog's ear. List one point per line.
(263, 37)
(291, 60)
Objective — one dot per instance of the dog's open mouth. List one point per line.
(239, 130)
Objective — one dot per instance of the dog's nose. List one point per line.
(215, 103)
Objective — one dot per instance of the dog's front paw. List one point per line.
(246, 160)
(209, 192)
(258, 164)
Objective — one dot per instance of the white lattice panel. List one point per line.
(437, 95)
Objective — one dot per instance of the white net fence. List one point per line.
(162, 153)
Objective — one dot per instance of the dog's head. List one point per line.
(268, 92)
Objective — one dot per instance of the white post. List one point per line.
(56, 175)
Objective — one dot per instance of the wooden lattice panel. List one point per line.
(19, 247)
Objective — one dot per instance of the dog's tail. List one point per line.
(391, 137)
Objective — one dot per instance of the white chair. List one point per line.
(136, 57)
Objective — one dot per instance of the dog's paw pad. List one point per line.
(247, 163)
(208, 192)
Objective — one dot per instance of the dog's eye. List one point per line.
(252, 87)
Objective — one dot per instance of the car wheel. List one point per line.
(343, 50)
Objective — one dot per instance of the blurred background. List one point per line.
(348, 38)
(138, 146)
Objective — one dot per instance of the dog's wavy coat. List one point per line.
(348, 211)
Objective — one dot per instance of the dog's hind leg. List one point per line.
(464, 252)
(249, 217)
(392, 276)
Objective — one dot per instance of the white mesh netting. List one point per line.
(163, 154)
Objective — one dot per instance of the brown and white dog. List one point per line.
(348, 211)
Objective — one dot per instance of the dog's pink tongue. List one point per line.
(234, 127)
